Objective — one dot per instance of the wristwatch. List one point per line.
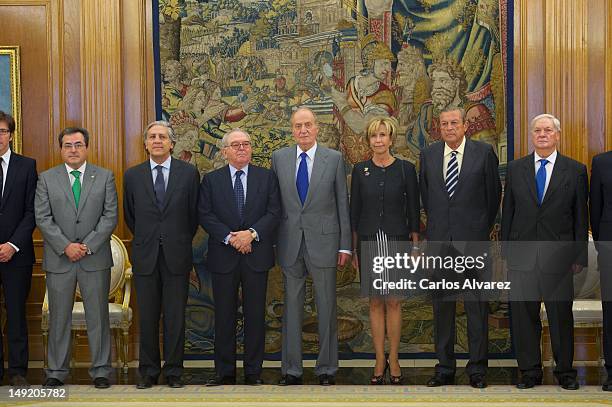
(253, 234)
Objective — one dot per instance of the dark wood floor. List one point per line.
(587, 375)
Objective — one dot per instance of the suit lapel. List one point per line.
(253, 183)
(147, 177)
(556, 178)
(173, 179)
(9, 177)
(529, 176)
(87, 181)
(290, 167)
(467, 163)
(318, 168)
(64, 183)
(438, 155)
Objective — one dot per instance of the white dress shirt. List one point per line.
(309, 159)
(165, 170)
(549, 167)
(81, 169)
(447, 157)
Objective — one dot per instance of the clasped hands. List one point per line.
(6, 252)
(241, 241)
(75, 251)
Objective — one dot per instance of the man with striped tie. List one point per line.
(544, 229)
(461, 192)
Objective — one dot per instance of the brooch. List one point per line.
(365, 171)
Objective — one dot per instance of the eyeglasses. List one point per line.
(5, 131)
(236, 145)
(70, 146)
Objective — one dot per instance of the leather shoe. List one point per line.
(569, 383)
(527, 382)
(290, 380)
(101, 383)
(607, 386)
(440, 380)
(478, 381)
(327, 380)
(174, 382)
(146, 382)
(18, 381)
(253, 380)
(220, 381)
(53, 382)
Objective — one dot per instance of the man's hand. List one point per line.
(75, 251)
(577, 268)
(343, 258)
(240, 240)
(6, 252)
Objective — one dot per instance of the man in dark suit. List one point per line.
(160, 205)
(601, 225)
(239, 208)
(461, 192)
(544, 230)
(17, 189)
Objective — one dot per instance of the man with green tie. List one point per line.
(76, 211)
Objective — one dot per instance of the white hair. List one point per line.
(226, 136)
(556, 123)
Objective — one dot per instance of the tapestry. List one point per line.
(222, 64)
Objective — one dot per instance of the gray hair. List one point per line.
(449, 109)
(226, 136)
(303, 109)
(163, 123)
(556, 123)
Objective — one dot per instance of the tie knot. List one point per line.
(76, 174)
(159, 168)
(303, 155)
(543, 162)
(239, 173)
(454, 153)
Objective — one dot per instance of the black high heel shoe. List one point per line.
(380, 380)
(394, 380)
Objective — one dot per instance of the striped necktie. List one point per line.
(452, 174)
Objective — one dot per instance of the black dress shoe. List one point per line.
(569, 383)
(440, 380)
(101, 383)
(478, 381)
(220, 381)
(527, 382)
(253, 380)
(327, 380)
(145, 382)
(18, 381)
(290, 380)
(53, 382)
(174, 382)
(607, 386)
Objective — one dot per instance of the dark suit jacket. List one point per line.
(470, 214)
(174, 226)
(17, 209)
(219, 216)
(601, 197)
(559, 225)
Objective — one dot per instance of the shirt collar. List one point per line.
(310, 153)
(233, 170)
(81, 169)
(459, 150)
(6, 156)
(551, 158)
(165, 164)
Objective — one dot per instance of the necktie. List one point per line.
(159, 186)
(541, 179)
(452, 174)
(301, 181)
(76, 186)
(239, 193)
(1, 178)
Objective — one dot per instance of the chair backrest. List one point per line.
(121, 263)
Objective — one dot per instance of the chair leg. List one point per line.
(45, 339)
(126, 344)
(73, 346)
(119, 354)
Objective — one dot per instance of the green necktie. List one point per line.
(76, 186)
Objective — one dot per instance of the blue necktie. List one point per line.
(452, 174)
(160, 187)
(541, 180)
(239, 193)
(301, 180)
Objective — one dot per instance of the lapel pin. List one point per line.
(365, 171)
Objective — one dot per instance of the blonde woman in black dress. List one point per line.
(385, 219)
